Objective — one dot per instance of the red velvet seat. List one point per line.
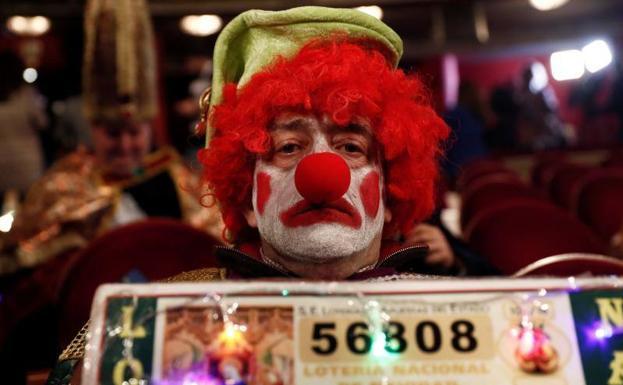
(155, 249)
(515, 233)
(492, 190)
(479, 168)
(564, 183)
(574, 264)
(544, 165)
(614, 160)
(599, 201)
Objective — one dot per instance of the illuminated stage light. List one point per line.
(17, 24)
(597, 55)
(372, 10)
(539, 77)
(201, 25)
(31, 26)
(6, 222)
(30, 75)
(567, 65)
(546, 5)
(39, 25)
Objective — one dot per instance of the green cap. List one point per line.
(253, 40)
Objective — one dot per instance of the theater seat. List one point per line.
(573, 264)
(599, 202)
(491, 190)
(149, 250)
(479, 168)
(520, 231)
(614, 160)
(545, 164)
(564, 183)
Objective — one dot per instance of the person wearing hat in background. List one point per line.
(320, 153)
(122, 179)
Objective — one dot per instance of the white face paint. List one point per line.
(335, 230)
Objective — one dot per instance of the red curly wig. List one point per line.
(342, 80)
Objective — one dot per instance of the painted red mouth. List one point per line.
(304, 213)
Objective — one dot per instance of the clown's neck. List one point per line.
(329, 269)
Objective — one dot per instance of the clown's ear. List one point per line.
(388, 215)
(249, 215)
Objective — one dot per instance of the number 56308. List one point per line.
(438, 338)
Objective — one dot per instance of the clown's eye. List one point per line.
(289, 148)
(351, 148)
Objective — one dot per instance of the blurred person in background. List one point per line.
(501, 136)
(538, 125)
(466, 119)
(123, 178)
(616, 97)
(71, 129)
(599, 98)
(186, 110)
(22, 114)
(614, 102)
(464, 114)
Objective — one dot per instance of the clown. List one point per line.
(317, 142)
(320, 152)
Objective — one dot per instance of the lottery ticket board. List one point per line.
(437, 332)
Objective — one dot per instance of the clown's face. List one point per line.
(318, 222)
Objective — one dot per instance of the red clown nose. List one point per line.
(322, 177)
